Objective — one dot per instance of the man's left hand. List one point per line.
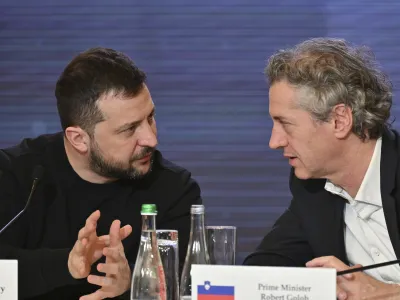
(357, 285)
(118, 274)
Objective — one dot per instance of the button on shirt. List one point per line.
(366, 236)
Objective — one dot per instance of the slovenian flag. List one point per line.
(215, 292)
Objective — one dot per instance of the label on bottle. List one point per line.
(163, 288)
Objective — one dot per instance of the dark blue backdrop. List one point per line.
(205, 63)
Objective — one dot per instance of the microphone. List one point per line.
(388, 263)
(37, 176)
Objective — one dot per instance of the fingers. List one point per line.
(90, 225)
(327, 262)
(124, 232)
(332, 262)
(110, 268)
(93, 218)
(343, 290)
(80, 246)
(116, 253)
(345, 283)
(86, 231)
(115, 239)
(351, 276)
(99, 294)
(101, 280)
(347, 289)
(77, 264)
(348, 276)
(340, 294)
(97, 254)
(117, 279)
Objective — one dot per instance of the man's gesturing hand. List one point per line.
(89, 247)
(116, 268)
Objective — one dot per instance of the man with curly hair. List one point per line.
(330, 106)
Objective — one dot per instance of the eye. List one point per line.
(130, 130)
(286, 126)
(151, 117)
(285, 123)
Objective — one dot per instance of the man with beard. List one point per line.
(79, 236)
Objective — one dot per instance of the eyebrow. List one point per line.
(133, 124)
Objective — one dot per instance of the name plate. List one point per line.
(8, 280)
(263, 283)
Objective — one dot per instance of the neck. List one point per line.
(353, 165)
(80, 164)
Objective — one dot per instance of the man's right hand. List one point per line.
(89, 247)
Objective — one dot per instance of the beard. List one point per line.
(116, 169)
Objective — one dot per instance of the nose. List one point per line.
(278, 139)
(148, 136)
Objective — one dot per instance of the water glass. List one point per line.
(169, 253)
(221, 244)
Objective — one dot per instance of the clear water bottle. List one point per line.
(197, 252)
(148, 279)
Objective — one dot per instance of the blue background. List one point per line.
(204, 61)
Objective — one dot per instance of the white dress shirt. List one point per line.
(366, 236)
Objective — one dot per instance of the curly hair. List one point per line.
(328, 72)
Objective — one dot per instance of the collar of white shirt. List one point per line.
(370, 189)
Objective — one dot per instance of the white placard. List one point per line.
(8, 280)
(262, 283)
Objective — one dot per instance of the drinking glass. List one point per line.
(169, 252)
(221, 244)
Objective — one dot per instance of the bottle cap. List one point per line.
(197, 209)
(149, 209)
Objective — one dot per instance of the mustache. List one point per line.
(145, 151)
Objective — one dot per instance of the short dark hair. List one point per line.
(90, 75)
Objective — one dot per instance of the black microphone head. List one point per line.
(38, 172)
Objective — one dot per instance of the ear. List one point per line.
(342, 118)
(78, 138)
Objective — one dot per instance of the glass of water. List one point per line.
(221, 244)
(169, 252)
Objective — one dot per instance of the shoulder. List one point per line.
(30, 152)
(32, 146)
(168, 166)
(169, 180)
(171, 187)
(171, 173)
(390, 142)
